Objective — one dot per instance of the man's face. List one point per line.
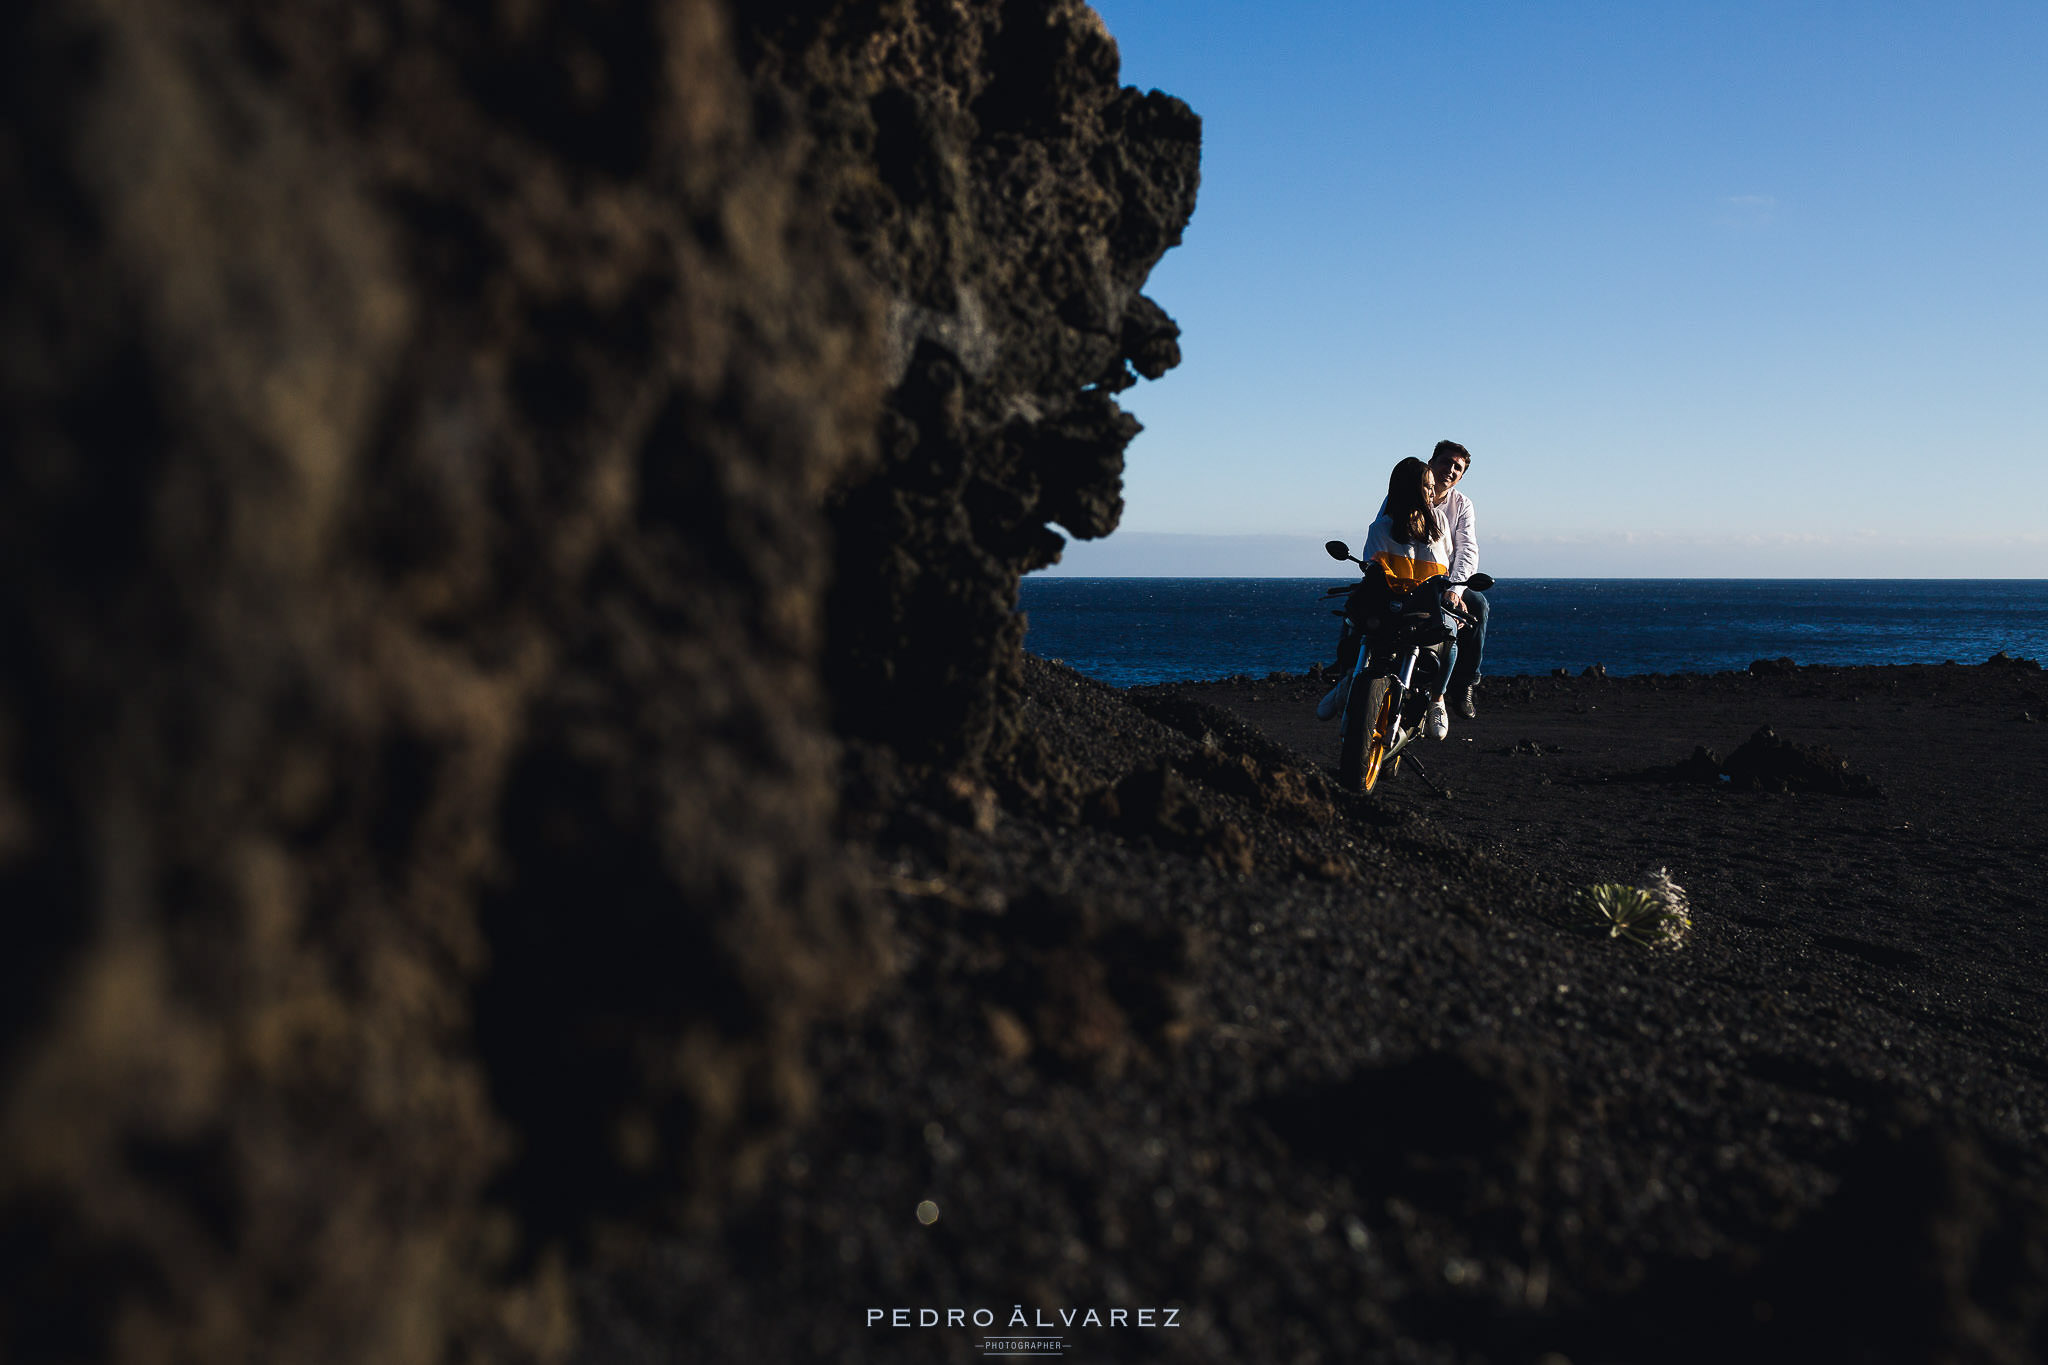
(1448, 470)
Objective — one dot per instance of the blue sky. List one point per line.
(1726, 289)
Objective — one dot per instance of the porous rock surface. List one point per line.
(450, 451)
(1008, 197)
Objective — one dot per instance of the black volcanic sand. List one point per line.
(1342, 1078)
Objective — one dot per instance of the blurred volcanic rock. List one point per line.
(445, 448)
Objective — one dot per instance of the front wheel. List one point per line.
(1368, 729)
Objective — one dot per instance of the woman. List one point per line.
(1411, 544)
(1408, 538)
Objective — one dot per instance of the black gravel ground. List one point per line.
(1177, 1025)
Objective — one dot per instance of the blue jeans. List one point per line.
(1471, 641)
(1450, 671)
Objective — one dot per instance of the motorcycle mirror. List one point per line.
(1338, 549)
(1480, 581)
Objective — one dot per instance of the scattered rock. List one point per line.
(1084, 980)
(1772, 668)
(1077, 1019)
(1031, 776)
(1767, 762)
(970, 802)
(1157, 801)
(1235, 774)
(1230, 848)
(1703, 768)
(1290, 791)
(1006, 1034)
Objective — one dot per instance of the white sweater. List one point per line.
(1455, 512)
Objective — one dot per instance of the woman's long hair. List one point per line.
(1408, 506)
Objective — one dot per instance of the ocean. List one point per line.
(1129, 631)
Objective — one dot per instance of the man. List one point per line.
(1448, 463)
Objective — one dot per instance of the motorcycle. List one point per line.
(1394, 644)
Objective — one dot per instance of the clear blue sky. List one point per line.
(1743, 289)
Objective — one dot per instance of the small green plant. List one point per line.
(1654, 915)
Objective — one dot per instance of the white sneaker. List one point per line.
(1333, 700)
(1439, 719)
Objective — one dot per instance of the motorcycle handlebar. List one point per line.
(1439, 585)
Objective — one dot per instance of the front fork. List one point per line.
(1404, 678)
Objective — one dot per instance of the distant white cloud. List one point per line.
(1749, 212)
(1158, 554)
(1845, 554)
(1586, 554)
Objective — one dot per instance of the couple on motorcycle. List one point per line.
(1425, 529)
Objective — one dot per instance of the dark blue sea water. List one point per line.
(1127, 631)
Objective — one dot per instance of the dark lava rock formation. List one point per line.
(1009, 198)
(452, 455)
(1767, 761)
